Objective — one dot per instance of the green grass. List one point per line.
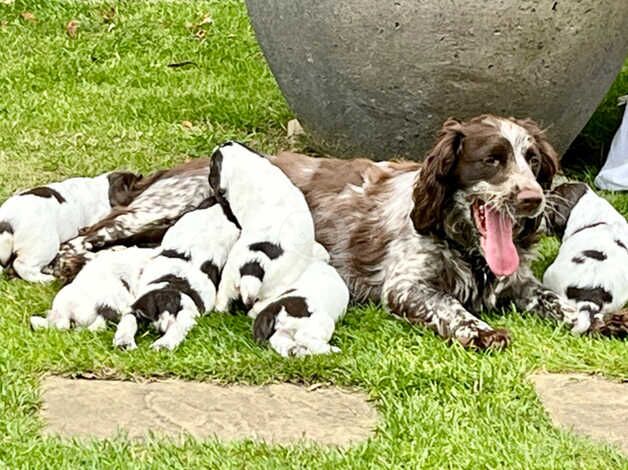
(107, 99)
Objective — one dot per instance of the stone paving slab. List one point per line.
(278, 413)
(587, 405)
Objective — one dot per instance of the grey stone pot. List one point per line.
(379, 77)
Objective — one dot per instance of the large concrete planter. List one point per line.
(379, 77)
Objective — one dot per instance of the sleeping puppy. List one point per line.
(101, 292)
(277, 238)
(591, 268)
(172, 294)
(204, 237)
(34, 223)
(301, 321)
(180, 283)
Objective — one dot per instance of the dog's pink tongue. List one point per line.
(499, 249)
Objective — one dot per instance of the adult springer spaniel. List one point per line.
(439, 242)
(436, 242)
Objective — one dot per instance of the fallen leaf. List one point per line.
(28, 16)
(72, 28)
(187, 124)
(109, 15)
(200, 34)
(7, 2)
(294, 129)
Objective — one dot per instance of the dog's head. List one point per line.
(482, 185)
(122, 187)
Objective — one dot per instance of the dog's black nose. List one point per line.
(528, 201)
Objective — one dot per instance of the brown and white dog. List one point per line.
(436, 242)
(439, 242)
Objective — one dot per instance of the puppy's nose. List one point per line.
(528, 201)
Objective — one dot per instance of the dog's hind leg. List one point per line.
(99, 324)
(283, 343)
(313, 334)
(228, 288)
(29, 263)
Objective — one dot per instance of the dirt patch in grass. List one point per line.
(278, 413)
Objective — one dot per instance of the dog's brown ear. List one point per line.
(549, 157)
(433, 185)
(123, 187)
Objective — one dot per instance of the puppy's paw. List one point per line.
(38, 323)
(164, 343)
(124, 342)
(222, 304)
(580, 320)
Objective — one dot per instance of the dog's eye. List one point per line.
(492, 160)
(533, 160)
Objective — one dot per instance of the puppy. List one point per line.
(204, 237)
(301, 321)
(172, 294)
(277, 238)
(34, 223)
(591, 268)
(180, 284)
(101, 292)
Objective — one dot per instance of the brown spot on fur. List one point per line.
(45, 191)
(597, 295)
(5, 227)
(594, 254)
(264, 324)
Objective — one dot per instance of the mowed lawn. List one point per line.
(107, 98)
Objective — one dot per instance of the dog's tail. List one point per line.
(6, 244)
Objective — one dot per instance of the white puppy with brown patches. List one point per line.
(302, 320)
(277, 239)
(34, 223)
(101, 292)
(180, 283)
(591, 268)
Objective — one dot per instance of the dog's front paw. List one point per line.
(164, 343)
(486, 339)
(124, 341)
(613, 324)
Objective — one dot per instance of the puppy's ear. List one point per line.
(549, 157)
(215, 168)
(562, 200)
(433, 186)
(122, 187)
